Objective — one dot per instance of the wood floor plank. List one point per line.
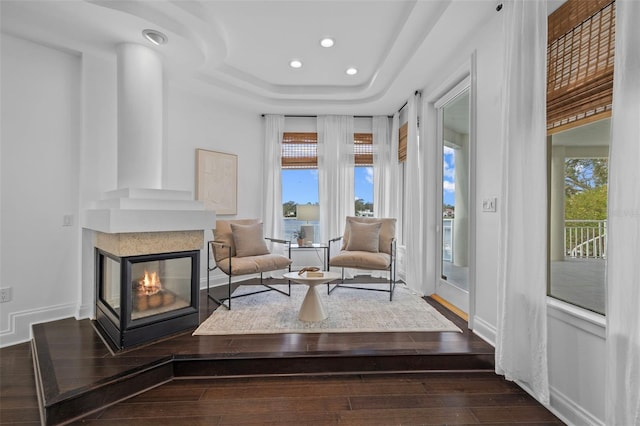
(414, 416)
(523, 414)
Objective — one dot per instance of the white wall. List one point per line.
(455, 62)
(40, 140)
(195, 121)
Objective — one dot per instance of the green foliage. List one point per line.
(583, 174)
(289, 209)
(362, 206)
(590, 204)
(586, 188)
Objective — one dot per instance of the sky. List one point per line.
(301, 185)
(448, 177)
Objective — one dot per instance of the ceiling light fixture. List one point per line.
(155, 37)
(327, 42)
(295, 63)
(352, 71)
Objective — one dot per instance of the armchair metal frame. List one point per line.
(210, 268)
(391, 269)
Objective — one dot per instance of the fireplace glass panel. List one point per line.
(110, 290)
(159, 286)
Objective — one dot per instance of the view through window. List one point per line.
(578, 215)
(300, 182)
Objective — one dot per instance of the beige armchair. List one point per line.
(239, 248)
(367, 243)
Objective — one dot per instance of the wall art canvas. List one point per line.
(217, 181)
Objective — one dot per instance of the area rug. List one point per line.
(349, 310)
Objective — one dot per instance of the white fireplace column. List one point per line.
(140, 117)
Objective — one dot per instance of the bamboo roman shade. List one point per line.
(363, 149)
(581, 42)
(402, 142)
(300, 150)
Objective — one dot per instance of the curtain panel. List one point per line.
(335, 173)
(385, 175)
(272, 182)
(413, 201)
(622, 387)
(521, 335)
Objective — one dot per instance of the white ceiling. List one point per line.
(238, 51)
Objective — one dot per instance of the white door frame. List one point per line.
(463, 79)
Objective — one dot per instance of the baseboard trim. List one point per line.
(484, 330)
(569, 411)
(20, 322)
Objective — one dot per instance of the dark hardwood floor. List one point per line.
(329, 378)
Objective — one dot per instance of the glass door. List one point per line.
(454, 207)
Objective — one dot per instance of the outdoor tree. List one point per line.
(289, 209)
(586, 188)
(582, 174)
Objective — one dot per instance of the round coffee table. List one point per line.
(312, 309)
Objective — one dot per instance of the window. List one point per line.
(578, 215)
(579, 96)
(402, 158)
(363, 174)
(300, 177)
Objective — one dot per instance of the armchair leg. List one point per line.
(392, 284)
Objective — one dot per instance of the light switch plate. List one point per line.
(489, 204)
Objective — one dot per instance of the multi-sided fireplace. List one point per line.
(142, 297)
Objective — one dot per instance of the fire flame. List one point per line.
(150, 284)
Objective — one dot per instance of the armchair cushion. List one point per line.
(249, 240)
(361, 260)
(387, 231)
(364, 237)
(254, 264)
(223, 234)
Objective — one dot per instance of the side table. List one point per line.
(317, 247)
(312, 309)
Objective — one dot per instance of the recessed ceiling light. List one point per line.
(295, 63)
(352, 71)
(326, 42)
(155, 37)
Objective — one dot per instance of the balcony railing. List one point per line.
(585, 238)
(447, 240)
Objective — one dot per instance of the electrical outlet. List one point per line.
(5, 294)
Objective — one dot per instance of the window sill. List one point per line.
(583, 319)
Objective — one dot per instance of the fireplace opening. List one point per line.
(142, 298)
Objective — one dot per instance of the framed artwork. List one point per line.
(217, 181)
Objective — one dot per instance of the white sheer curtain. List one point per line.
(385, 173)
(335, 173)
(385, 168)
(622, 390)
(272, 181)
(521, 338)
(413, 207)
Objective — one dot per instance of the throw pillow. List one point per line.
(249, 240)
(364, 236)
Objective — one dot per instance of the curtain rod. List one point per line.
(315, 116)
(355, 116)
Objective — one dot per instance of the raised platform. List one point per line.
(77, 373)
